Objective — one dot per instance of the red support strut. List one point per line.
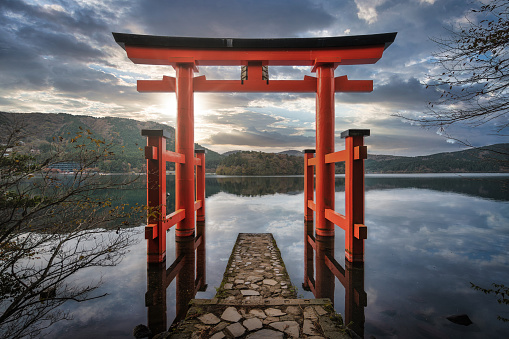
(200, 184)
(156, 192)
(354, 191)
(184, 144)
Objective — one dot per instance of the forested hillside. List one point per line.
(259, 163)
(494, 158)
(487, 159)
(39, 129)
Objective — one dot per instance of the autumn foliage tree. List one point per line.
(53, 226)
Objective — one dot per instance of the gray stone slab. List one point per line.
(309, 313)
(270, 282)
(253, 324)
(236, 330)
(249, 292)
(218, 335)
(319, 310)
(294, 310)
(258, 313)
(265, 334)
(308, 328)
(209, 319)
(231, 314)
(219, 327)
(255, 278)
(289, 327)
(274, 312)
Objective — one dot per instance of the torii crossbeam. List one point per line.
(187, 54)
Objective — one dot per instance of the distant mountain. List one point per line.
(486, 159)
(39, 129)
(225, 154)
(293, 152)
(493, 158)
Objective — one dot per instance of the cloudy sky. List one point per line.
(60, 56)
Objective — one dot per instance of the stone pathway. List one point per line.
(256, 299)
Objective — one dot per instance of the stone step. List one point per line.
(256, 299)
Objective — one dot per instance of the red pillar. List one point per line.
(309, 179)
(354, 192)
(200, 184)
(324, 145)
(156, 191)
(201, 255)
(184, 144)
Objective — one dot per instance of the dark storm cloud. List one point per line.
(35, 40)
(48, 31)
(231, 18)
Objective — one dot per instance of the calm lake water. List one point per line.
(429, 237)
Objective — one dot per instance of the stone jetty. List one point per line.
(256, 299)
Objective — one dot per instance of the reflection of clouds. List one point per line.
(459, 224)
(431, 245)
(124, 305)
(423, 249)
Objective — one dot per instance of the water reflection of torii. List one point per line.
(159, 278)
(351, 277)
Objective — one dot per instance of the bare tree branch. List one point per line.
(52, 226)
(474, 82)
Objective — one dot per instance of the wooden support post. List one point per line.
(354, 193)
(324, 145)
(184, 144)
(308, 253)
(309, 187)
(200, 184)
(156, 191)
(201, 255)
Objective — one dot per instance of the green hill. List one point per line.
(39, 129)
(488, 159)
(259, 163)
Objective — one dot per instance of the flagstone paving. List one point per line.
(256, 299)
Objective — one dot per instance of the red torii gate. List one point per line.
(322, 54)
